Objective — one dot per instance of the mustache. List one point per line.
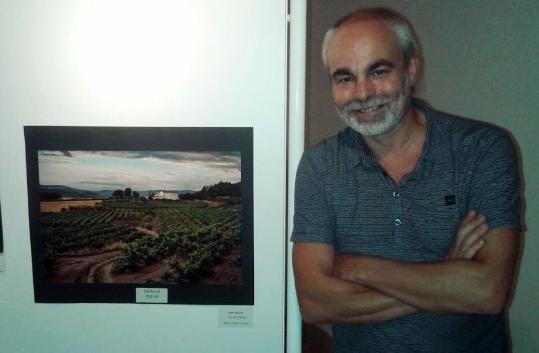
(359, 104)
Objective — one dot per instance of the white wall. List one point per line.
(481, 62)
(142, 63)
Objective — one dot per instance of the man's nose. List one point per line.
(364, 89)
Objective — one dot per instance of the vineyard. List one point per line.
(189, 241)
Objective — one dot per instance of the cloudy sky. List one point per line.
(139, 170)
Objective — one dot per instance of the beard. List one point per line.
(383, 122)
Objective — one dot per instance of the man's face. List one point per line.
(371, 85)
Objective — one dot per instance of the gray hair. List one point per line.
(400, 25)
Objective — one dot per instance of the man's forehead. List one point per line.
(363, 30)
(363, 39)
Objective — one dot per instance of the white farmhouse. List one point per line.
(166, 195)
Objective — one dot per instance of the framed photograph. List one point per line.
(141, 214)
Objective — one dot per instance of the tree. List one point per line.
(118, 194)
(136, 195)
(127, 193)
(49, 195)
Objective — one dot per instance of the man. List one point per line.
(406, 225)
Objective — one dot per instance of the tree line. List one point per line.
(127, 193)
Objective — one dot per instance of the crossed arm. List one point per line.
(476, 277)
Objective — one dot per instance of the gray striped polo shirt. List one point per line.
(344, 198)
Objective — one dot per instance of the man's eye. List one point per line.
(343, 79)
(380, 72)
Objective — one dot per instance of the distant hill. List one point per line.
(104, 193)
(221, 189)
(55, 192)
(52, 191)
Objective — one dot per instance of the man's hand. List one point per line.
(469, 237)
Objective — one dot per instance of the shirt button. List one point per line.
(396, 194)
(397, 221)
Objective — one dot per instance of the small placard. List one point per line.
(236, 316)
(152, 295)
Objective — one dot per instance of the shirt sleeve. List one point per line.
(495, 186)
(313, 220)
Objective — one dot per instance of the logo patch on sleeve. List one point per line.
(449, 199)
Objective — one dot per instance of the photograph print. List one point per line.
(115, 209)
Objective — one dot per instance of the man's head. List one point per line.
(373, 59)
(401, 27)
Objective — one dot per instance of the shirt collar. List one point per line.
(357, 150)
(437, 141)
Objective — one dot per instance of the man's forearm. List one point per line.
(443, 287)
(339, 301)
(478, 285)
(325, 298)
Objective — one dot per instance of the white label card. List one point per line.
(152, 295)
(236, 316)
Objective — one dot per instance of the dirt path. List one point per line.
(152, 273)
(97, 268)
(151, 233)
(102, 272)
(83, 268)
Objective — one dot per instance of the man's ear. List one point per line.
(413, 70)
